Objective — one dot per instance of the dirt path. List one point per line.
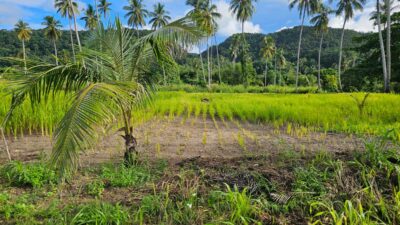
(182, 138)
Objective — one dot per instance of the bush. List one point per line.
(99, 214)
(34, 175)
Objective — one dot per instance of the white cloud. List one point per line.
(361, 21)
(283, 28)
(228, 25)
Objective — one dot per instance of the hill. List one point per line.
(288, 40)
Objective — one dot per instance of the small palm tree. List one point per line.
(136, 14)
(268, 51)
(305, 8)
(346, 8)
(68, 9)
(321, 21)
(24, 34)
(52, 32)
(160, 17)
(101, 96)
(90, 18)
(104, 7)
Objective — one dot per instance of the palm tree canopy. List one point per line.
(23, 30)
(52, 28)
(104, 7)
(90, 18)
(268, 49)
(67, 8)
(103, 84)
(243, 9)
(281, 57)
(136, 13)
(160, 17)
(348, 7)
(305, 7)
(234, 47)
(206, 17)
(321, 19)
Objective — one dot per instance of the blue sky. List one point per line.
(270, 16)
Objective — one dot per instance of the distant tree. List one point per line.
(90, 18)
(136, 14)
(234, 48)
(159, 17)
(346, 8)
(305, 8)
(52, 32)
(321, 21)
(104, 7)
(281, 63)
(268, 51)
(24, 33)
(69, 9)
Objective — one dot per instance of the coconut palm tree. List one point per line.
(160, 17)
(136, 14)
(321, 21)
(268, 51)
(101, 96)
(52, 32)
(104, 7)
(69, 8)
(346, 9)
(206, 20)
(24, 33)
(377, 16)
(243, 9)
(90, 18)
(281, 63)
(234, 47)
(305, 8)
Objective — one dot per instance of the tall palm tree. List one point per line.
(234, 47)
(305, 8)
(101, 96)
(206, 20)
(243, 9)
(104, 7)
(281, 63)
(377, 16)
(321, 21)
(136, 14)
(267, 53)
(69, 8)
(90, 18)
(159, 17)
(388, 13)
(24, 33)
(52, 32)
(346, 8)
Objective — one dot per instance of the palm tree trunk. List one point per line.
(340, 56)
(266, 73)
(319, 60)
(388, 42)
(165, 77)
(275, 70)
(137, 31)
(72, 39)
(280, 75)
(383, 55)
(76, 32)
(55, 51)
(208, 65)
(202, 65)
(299, 49)
(97, 11)
(219, 65)
(24, 54)
(130, 154)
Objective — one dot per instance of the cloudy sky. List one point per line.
(270, 16)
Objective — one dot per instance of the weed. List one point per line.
(95, 188)
(100, 214)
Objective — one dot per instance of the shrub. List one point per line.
(34, 175)
(99, 214)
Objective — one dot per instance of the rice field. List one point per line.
(310, 112)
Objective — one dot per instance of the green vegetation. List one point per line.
(316, 188)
